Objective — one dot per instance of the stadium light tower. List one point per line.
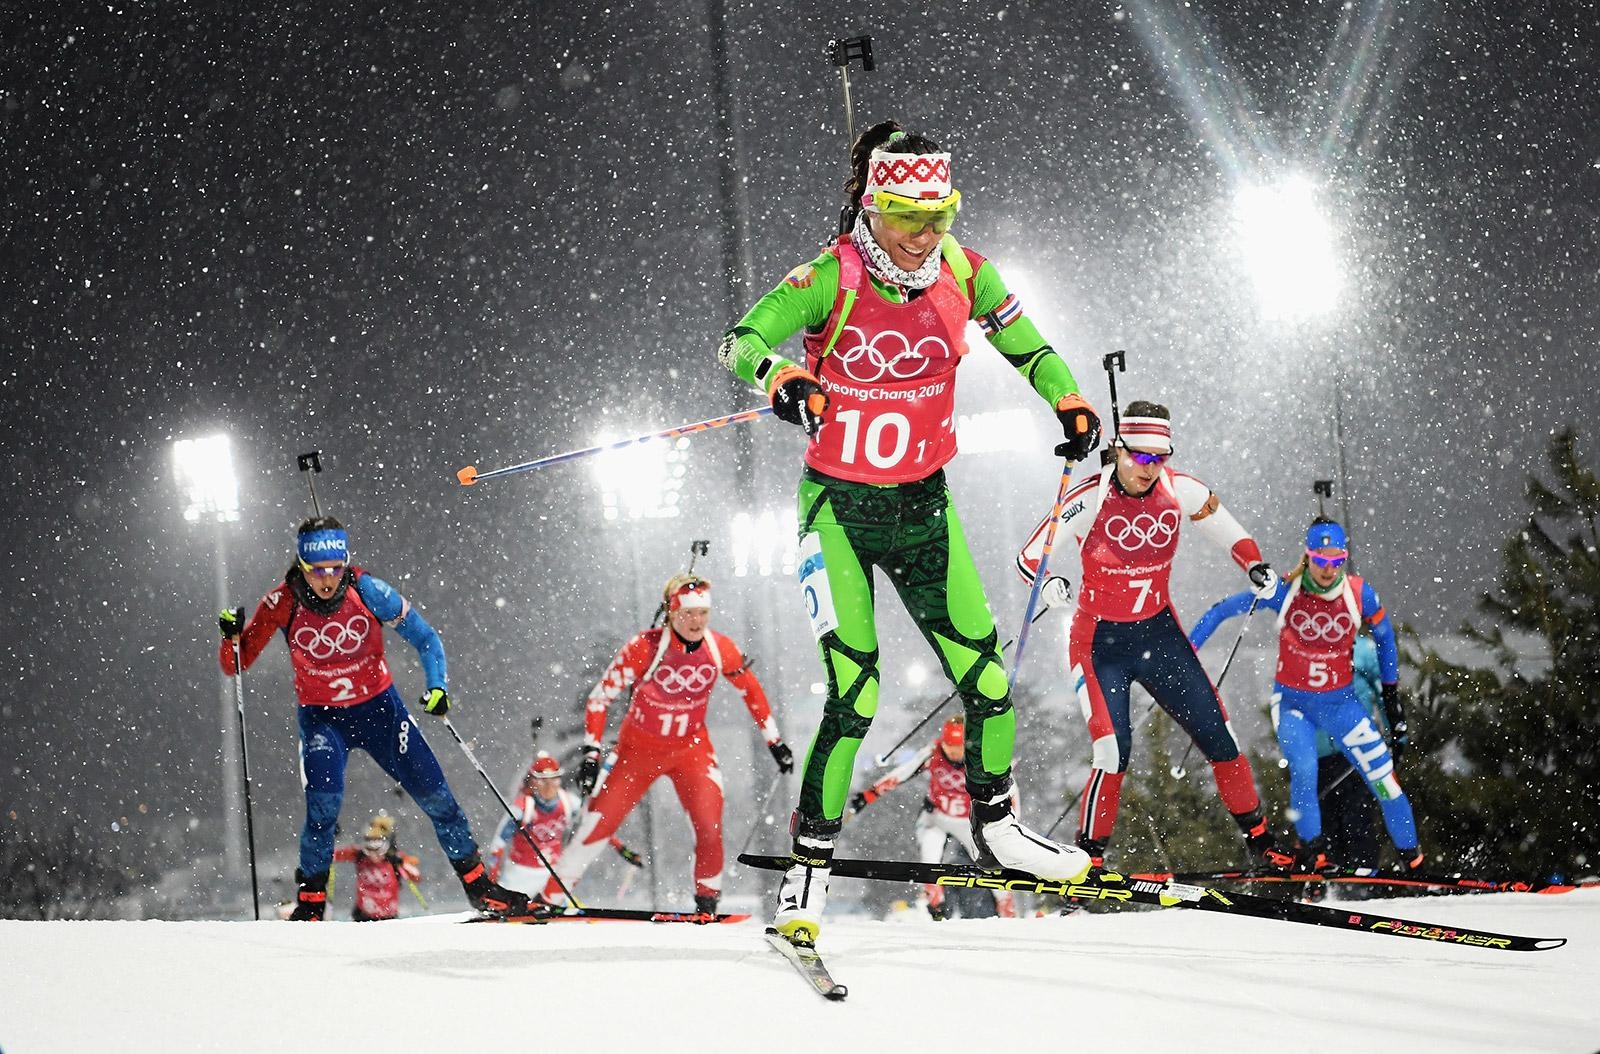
(210, 488)
(1288, 246)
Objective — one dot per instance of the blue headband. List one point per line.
(1326, 536)
(326, 544)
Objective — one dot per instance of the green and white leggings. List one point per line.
(911, 532)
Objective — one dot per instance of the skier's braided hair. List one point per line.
(874, 138)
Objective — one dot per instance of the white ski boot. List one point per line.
(1004, 841)
(804, 891)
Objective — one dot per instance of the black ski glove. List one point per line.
(1394, 708)
(858, 802)
(588, 771)
(798, 398)
(436, 701)
(1081, 426)
(783, 756)
(231, 622)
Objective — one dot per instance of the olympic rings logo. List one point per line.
(690, 679)
(897, 360)
(1320, 625)
(342, 638)
(1143, 530)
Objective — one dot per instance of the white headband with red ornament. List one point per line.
(695, 596)
(919, 176)
(1146, 433)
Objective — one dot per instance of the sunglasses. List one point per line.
(1144, 457)
(1327, 562)
(909, 216)
(323, 572)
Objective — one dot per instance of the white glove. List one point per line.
(1263, 580)
(1056, 590)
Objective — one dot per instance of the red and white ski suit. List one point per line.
(1125, 630)
(377, 881)
(664, 733)
(511, 860)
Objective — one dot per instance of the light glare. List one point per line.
(204, 471)
(642, 481)
(1287, 246)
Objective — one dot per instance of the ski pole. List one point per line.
(470, 475)
(1177, 770)
(761, 814)
(883, 759)
(417, 893)
(244, 757)
(516, 821)
(1042, 573)
(1329, 788)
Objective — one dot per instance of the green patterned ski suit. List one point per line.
(908, 530)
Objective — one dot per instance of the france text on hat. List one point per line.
(325, 544)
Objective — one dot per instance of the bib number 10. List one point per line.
(872, 443)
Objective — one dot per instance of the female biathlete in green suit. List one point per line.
(884, 313)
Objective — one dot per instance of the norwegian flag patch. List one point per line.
(1009, 311)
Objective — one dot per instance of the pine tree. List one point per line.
(1505, 757)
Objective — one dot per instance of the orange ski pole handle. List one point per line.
(470, 474)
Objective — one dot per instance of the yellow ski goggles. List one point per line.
(912, 215)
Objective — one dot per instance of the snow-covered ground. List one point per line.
(1149, 981)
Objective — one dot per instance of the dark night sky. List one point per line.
(417, 236)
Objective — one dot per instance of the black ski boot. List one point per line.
(485, 894)
(1264, 849)
(1096, 848)
(705, 903)
(311, 897)
(1313, 855)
